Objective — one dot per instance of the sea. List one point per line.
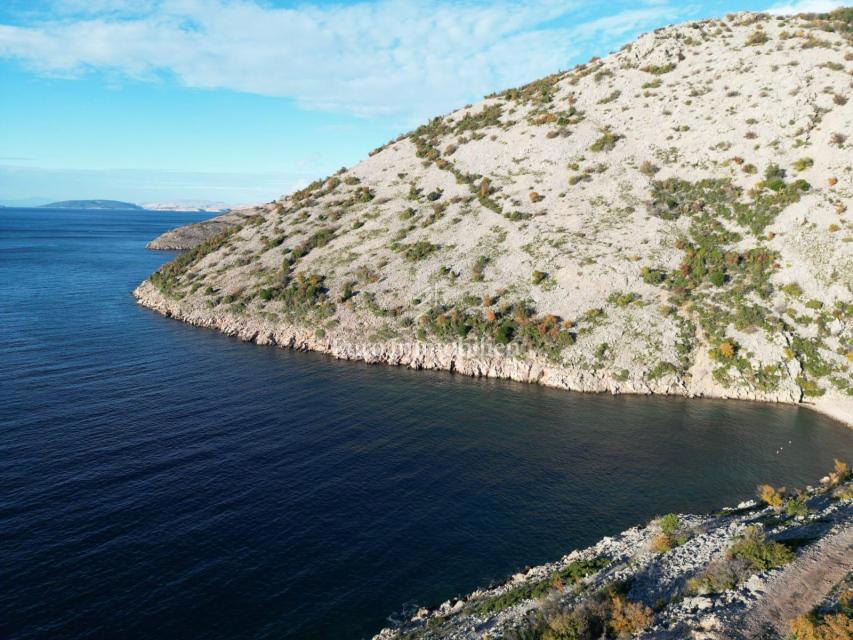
(159, 480)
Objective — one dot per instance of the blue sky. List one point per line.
(240, 101)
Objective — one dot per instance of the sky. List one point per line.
(241, 101)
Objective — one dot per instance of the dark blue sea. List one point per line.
(163, 481)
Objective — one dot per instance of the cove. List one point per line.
(166, 481)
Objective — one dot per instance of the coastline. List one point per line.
(659, 581)
(455, 358)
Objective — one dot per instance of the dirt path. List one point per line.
(801, 586)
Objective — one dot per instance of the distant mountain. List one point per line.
(91, 204)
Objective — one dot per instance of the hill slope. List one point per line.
(673, 218)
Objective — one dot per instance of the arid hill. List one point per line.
(673, 218)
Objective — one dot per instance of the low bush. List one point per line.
(478, 270)
(719, 576)
(606, 142)
(669, 524)
(761, 555)
(727, 350)
(658, 70)
(539, 277)
(749, 554)
(670, 533)
(802, 164)
(607, 614)
(628, 618)
(572, 573)
(796, 506)
(620, 299)
(770, 496)
(648, 168)
(756, 38)
(166, 277)
(833, 626)
(419, 250)
(347, 291)
(840, 473)
(652, 275)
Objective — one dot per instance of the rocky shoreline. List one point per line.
(475, 360)
(680, 576)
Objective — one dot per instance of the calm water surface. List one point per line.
(164, 481)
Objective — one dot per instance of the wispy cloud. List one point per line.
(806, 6)
(388, 57)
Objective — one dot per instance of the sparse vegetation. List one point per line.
(606, 142)
(751, 553)
(658, 70)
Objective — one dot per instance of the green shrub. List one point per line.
(657, 70)
(669, 524)
(347, 291)
(648, 168)
(166, 277)
(539, 277)
(419, 250)
(488, 117)
(623, 299)
(761, 555)
(796, 506)
(719, 576)
(573, 572)
(774, 171)
(792, 289)
(606, 142)
(652, 275)
(802, 164)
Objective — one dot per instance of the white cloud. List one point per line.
(388, 57)
(805, 6)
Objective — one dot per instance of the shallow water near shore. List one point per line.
(161, 480)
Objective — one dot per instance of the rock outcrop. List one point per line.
(190, 236)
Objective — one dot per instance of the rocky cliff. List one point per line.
(673, 218)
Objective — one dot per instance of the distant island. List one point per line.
(183, 205)
(91, 204)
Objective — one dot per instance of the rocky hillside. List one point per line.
(758, 571)
(673, 218)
